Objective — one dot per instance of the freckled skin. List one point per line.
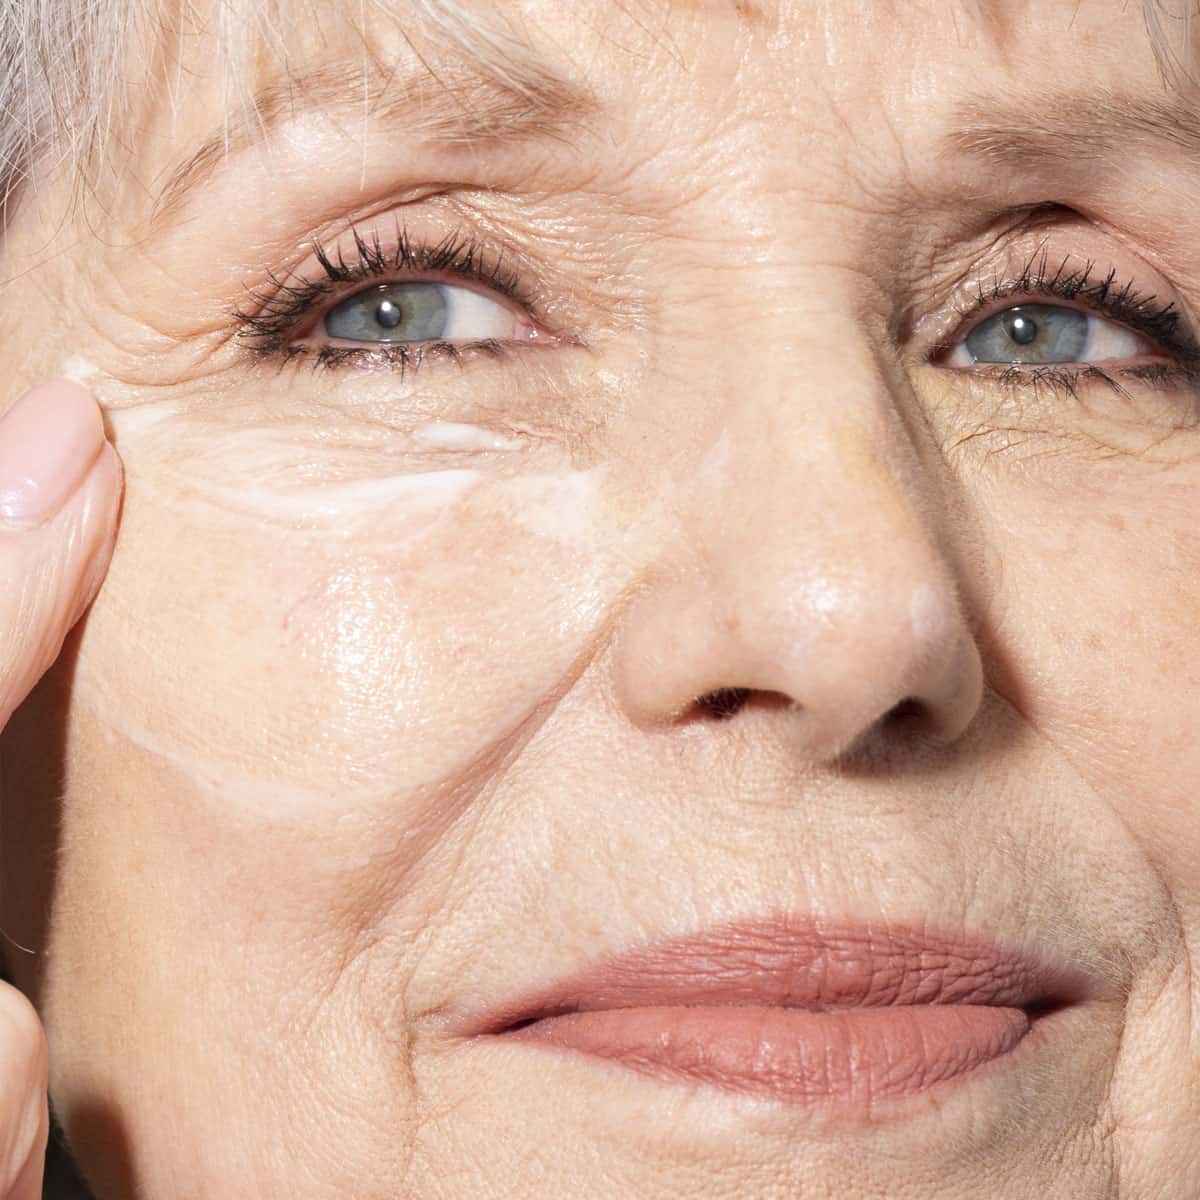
(317, 773)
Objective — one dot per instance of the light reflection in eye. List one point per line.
(1043, 334)
(420, 312)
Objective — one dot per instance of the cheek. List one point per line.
(276, 618)
(1100, 607)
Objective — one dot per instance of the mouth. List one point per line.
(799, 1011)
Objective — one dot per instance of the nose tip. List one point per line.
(865, 656)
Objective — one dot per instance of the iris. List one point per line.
(395, 312)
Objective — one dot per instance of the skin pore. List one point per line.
(391, 704)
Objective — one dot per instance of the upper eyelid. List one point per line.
(1065, 282)
(457, 253)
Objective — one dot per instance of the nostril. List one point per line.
(905, 713)
(911, 719)
(724, 702)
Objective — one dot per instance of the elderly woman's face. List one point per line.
(689, 523)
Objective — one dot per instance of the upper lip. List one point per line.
(802, 962)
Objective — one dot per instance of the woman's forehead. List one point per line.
(545, 53)
(470, 75)
(213, 61)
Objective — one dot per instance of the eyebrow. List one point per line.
(1058, 130)
(467, 110)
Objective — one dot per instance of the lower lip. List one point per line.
(793, 1055)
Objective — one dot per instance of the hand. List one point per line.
(60, 488)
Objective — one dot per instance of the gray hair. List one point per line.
(61, 67)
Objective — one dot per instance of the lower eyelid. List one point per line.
(406, 358)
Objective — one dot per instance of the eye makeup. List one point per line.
(1171, 360)
(288, 321)
(282, 318)
(1123, 302)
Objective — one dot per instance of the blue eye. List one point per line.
(1043, 334)
(419, 312)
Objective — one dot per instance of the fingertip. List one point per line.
(24, 1117)
(53, 571)
(49, 440)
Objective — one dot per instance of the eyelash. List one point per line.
(279, 308)
(1124, 304)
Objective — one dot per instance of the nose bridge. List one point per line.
(810, 450)
(819, 509)
(802, 396)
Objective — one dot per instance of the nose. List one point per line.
(803, 568)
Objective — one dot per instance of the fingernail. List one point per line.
(48, 442)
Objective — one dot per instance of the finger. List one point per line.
(24, 1116)
(60, 486)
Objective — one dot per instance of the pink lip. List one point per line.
(798, 1010)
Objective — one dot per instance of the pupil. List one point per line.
(389, 314)
(1022, 330)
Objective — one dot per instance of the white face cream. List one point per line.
(274, 476)
(556, 506)
(79, 370)
(340, 502)
(449, 435)
(382, 573)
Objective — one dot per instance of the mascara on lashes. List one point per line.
(280, 308)
(1125, 304)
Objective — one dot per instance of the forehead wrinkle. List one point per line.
(751, 12)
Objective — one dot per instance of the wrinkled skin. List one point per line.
(378, 718)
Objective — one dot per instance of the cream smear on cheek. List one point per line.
(80, 371)
(449, 435)
(419, 517)
(266, 478)
(348, 503)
